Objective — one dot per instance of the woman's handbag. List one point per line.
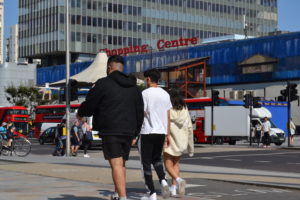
(89, 135)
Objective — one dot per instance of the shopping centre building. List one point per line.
(106, 24)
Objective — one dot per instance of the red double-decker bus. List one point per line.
(49, 116)
(18, 115)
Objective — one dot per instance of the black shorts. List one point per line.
(115, 146)
(74, 141)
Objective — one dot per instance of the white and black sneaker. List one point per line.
(165, 191)
(181, 186)
(114, 196)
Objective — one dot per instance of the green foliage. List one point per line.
(26, 96)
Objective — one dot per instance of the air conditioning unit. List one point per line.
(233, 95)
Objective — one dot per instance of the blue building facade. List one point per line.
(224, 63)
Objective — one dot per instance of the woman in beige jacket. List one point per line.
(181, 140)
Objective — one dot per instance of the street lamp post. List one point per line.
(67, 43)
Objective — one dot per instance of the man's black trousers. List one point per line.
(151, 147)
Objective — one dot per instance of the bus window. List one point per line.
(17, 112)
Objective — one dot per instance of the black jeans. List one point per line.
(151, 147)
(266, 140)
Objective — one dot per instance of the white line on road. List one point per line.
(263, 161)
(293, 163)
(206, 158)
(237, 160)
(194, 185)
(240, 155)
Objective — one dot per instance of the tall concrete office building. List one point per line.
(99, 24)
(1, 31)
(12, 47)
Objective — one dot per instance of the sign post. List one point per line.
(67, 91)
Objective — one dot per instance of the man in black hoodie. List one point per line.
(116, 104)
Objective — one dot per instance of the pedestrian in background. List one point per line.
(155, 132)
(76, 131)
(86, 140)
(292, 130)
(258, 129)
(116, 104)
(181, 139)
(266, 127)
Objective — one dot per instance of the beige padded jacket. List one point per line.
(181, 129)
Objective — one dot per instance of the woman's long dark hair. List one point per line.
(177, 99)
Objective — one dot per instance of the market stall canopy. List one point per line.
(91, 74)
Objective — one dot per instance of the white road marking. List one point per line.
(237, 160)
(206, 158)
(293, 163)
(263, 161)
(194, 185)
(240, 155)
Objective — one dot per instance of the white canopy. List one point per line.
(91, 74)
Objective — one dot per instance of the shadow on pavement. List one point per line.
(72, 197)
(132, 193)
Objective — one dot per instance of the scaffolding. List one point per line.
(187, 75)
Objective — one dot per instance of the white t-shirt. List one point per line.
(266, 126)
(156, 105)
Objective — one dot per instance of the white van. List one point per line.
(97, 141)
(277, 135)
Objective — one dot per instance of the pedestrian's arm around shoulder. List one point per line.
(190, 137)
(88, 107)
(139, 111)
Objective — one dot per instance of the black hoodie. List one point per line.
(116, 104)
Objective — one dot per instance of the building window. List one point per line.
(61, 18)
(109, 23)
(89, 37)
(73, 19)
(94, 38)
(109, 39)
(84, 37)
(73, 36)
(94, 5)
(100, 22)
(78, 19)
(89, 4)
(78, 36)
(115, 40)
(89, 21)
(94, 22)
(84, 20)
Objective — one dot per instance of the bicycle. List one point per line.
(20, 146)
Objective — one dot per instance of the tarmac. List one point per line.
(47, 177)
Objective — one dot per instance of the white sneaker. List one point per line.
(181, 186)
(165, 191)
(173, 191)
(86, 156)
(150, 197)
(114, 196)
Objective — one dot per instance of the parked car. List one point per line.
(48, 136)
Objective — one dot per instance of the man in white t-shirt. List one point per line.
(266, 126)
(154, 132)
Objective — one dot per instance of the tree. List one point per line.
(26, 96)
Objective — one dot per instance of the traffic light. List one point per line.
(247, 100)
(284, 95)
(256, 104)
(73, 89)
(293, 91)
(215, 97)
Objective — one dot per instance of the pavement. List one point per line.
(48, 177)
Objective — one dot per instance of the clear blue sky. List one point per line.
(289, 15)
